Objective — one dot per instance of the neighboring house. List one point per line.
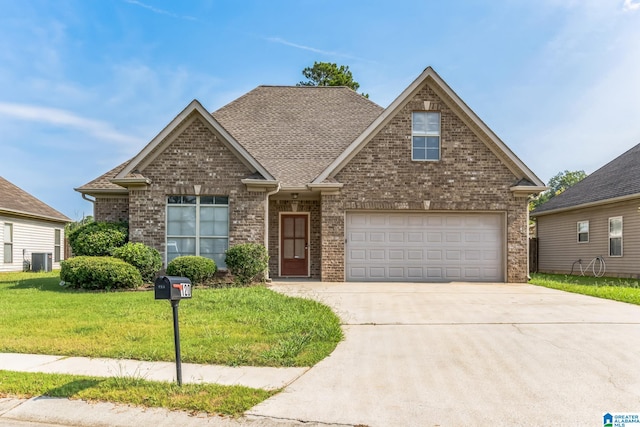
(28, 226)
(335, 186)
(598, 216)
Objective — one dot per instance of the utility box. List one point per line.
(41, 261)
(172, 288)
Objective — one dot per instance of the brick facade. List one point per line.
(469, 177)
(196, 162)
(111, 209)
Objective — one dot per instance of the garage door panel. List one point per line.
(424, 247)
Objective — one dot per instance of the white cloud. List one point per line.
(65, 119)
(630, 5)
(313, 49)
(160, 11)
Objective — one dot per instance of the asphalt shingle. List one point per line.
(15, 200)
(620, 177)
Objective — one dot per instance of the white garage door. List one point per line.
(424, 247)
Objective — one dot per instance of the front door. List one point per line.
(294, 245)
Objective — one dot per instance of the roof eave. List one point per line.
(527, 190)
(587, 205)
(35, 216)
(260, 185)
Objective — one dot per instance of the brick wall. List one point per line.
(195, 157)
(382, 176)
(111, 209)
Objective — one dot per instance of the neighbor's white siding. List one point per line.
(29, 236)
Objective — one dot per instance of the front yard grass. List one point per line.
(625, 290)
(209, 398)
(233, 326)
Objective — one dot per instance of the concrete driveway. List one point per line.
(466, 354)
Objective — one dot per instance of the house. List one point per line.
(28, 226)
(336, 187)
(598, 216)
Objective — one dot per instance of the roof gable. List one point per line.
(618, 179)
(430, 77)
(15, 200)
(297, 131)
(164, 138)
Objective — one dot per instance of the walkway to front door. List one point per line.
(294, 245)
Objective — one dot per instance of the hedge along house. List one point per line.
(335, 186)
(29, 226)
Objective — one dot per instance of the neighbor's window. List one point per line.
(583, 231)
(615, 236)
(198, 225)
(8, 243)
(425, 135)
(57, 248)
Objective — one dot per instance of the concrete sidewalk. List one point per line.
(256, 377)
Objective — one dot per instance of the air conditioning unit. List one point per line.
(41, 261)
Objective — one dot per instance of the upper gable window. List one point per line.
(425, 136)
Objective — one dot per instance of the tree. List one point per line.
(557, 184)
(329, 74)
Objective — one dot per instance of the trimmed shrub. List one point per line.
(197, 268)
(146, 259)
(98, 238)
(88, 272)
(247, 261)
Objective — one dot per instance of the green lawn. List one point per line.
(625, 290)
(233, 326)
(210, 398)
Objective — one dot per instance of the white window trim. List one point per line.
(7, 242)
(197, 236)
(578, 231)
(439, 135)
(615, 237)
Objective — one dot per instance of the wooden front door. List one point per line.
(294, 245)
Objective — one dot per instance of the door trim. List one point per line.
(280, 215)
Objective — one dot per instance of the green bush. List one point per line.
(146, 259)
(89, 272)
(197, 268)
(247, 261)
(98, 238)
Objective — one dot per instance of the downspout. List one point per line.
(266, 226)
(84, 196)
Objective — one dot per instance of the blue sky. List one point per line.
(85, 84)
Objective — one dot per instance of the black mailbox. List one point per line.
(172, 288)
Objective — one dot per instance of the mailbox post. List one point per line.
(174, 289)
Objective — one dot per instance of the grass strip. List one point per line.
(624, 290)
(209, 398)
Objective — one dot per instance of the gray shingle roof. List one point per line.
(15, 200)
(295, 132)
(103, 182)
(620, 177)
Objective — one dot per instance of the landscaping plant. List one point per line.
(247, 262)
(93, 272)
(98, 238)
(146, 259)
(198, 269)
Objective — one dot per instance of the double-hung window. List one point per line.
(57, 247)
(425, 136)
(583, 231)
(198, 225)
(8, 243)
(615, 236)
